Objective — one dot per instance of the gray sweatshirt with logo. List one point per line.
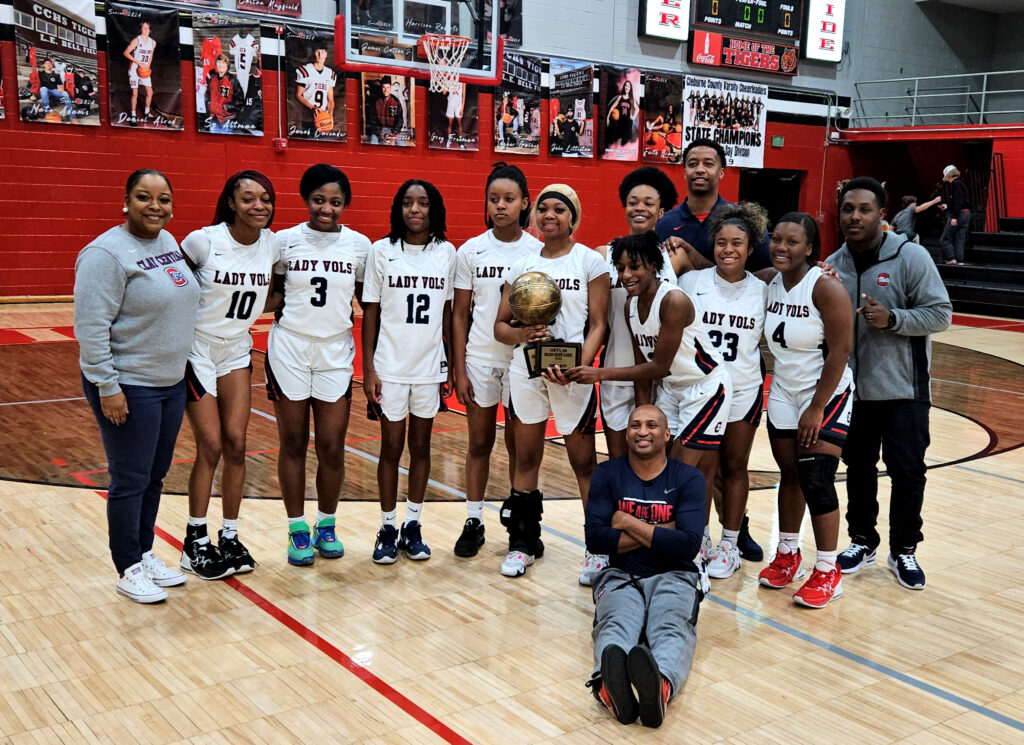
(135, 310)
(892, 364)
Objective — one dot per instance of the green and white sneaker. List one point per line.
(326, 541)
(300, 548)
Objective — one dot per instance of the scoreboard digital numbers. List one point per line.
(772, 17)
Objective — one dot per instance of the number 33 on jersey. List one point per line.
(412, 284)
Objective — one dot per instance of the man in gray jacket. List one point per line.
(900, 301)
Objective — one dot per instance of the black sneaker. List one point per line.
(472, 538)
(749, 548)
(908, 572)
(133, 121)
(856, 557)
(611, 686)
(235, 554)
(203, 560)
(652, 689)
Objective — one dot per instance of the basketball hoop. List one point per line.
(444, 55)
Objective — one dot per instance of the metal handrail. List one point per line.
(972, 99)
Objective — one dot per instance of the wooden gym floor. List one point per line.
(450, 651)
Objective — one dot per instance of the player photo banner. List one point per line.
(454, 119)
(663, 118)
(619, 112)
(510, 21)
(143, 67)
(571, 109)
(57, 72)
(290, 8)
(389, 110)
(729, 112)
(517, 106)
(316, 92)
(229, 87)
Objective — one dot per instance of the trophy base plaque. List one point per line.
(544, 354)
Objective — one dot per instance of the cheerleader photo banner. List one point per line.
(144, 67)
(729, 112)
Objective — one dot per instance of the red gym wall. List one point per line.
(62, 185)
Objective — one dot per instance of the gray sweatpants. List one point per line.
(664, 606)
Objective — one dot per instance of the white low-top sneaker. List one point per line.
(159, 573)
(515, 564)
(135, 585)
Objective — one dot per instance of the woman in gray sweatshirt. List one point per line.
(135, 310)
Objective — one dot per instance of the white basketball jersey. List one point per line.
(245, 51)
(144, 52)
(796, 334)
(619, 349)
(694, 359)
(412, 285)
(482, 265)
(234, 279)
(320, 275)
(734, 320)
(572, 273)
(315, 84)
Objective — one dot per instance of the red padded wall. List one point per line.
(62, 185)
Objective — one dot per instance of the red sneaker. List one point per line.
(612, 687)
(784, 569)
(821, 589)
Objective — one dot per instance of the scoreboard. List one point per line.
(779, 18)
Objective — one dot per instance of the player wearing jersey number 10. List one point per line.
(310, 355)
(809, 326)
(407, 319)
(232, 260)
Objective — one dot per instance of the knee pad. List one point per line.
(817, 475)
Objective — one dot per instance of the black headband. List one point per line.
(561, 198)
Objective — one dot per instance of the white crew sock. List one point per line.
(389, 518)
(789, 543)
(825, 561)
(475, 509)
(321, 516)
(230, 527)
(293, 520)
(412, 512)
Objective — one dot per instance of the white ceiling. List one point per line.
(990, 6)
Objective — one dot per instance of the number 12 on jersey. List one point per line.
(418, 308)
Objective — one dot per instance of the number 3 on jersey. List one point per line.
(419, 307)
(731, 342)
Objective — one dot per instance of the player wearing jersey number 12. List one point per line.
(407, 293)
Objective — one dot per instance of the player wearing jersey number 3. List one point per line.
(809, 325)
(310, 355)
(232, 260)
(406, 322)
(481, 363)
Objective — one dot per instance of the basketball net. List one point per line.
(444, 55)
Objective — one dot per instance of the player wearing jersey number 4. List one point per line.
(310, 355)
(730, 302)
(407, 294)
(809, 325)
(232, 260)
(481, 363)
(582, 276)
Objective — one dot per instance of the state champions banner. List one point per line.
(730, 112)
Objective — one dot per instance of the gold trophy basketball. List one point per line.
(536, 299)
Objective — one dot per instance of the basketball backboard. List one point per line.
(383, 35)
